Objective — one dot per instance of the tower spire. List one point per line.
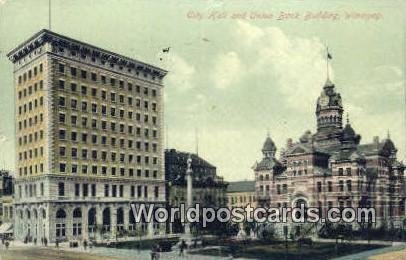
(348, 119)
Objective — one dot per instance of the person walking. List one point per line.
(153, 253)
(182, 247)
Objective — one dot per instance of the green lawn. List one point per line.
(278, 250)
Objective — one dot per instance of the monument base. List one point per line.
(191, 241)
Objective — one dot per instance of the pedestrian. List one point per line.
(153, 253)
(57, 243)
(84, 244)
(158, 252)
(182, 247)
(45, 241)
(42, 241)
(7, 244)
(35, 241)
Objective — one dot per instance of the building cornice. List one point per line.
(57, 40)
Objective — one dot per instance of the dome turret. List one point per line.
(269, 147)
(349, 138)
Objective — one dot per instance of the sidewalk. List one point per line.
(387, 253)
(372, 242)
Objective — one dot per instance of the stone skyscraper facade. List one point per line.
(88, 140)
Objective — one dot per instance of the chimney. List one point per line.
(376, 139)
(289, 142)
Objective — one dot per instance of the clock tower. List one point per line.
(329, 112)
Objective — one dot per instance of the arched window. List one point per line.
(91, 217)
(120, 216)
(77, 213)
(131, 217)
(349, 185)
(106, 219)
(61, 213)
(43, 213)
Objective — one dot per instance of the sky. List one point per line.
(237, 69)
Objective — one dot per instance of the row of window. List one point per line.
(32, 121)
(30, 106)
(113, 190)
(241, 199)
(37, 168)
(284, 189)
(114, 112)
(94, 154)
(30, 73)
(114, 126)
(348, 171)
(30, 190)
(86, 189)
(31, 153)
(32, 137)
(74, 72)
(113, 141)
(114, 97)
(31, 89)
(340, 185)
(94, 169)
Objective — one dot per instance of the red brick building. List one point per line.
(330, 168)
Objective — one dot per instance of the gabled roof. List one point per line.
(347, 154)
(299, 148)
(268, 163)
(241, 186)
(380, 148)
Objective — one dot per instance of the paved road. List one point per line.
(387, 253)
(20, 251)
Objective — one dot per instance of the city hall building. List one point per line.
(88, 140)
(330, 168)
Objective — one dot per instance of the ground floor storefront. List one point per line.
(68, 221)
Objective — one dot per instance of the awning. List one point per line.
(6, 228)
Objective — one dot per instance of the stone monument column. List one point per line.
(189, 202)
(187, 237)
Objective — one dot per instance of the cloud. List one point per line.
(3, 139)
(2, 2)
(384, 84)
(181, 74)
(292, 66)
(227, 69)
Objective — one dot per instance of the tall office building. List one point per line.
(88, 140)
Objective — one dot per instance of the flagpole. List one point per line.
(49, 14)
(327, 62)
